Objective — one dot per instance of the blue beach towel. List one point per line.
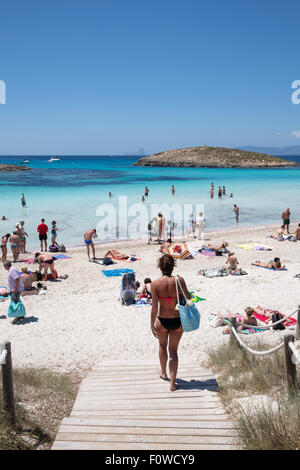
(116, 272)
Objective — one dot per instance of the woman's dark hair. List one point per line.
(166, 264)
(147, 280)
(7, 235)
(276, 259)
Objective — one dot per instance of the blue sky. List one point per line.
(114, 76)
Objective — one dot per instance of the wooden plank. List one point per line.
(139, 380)
(155, 382)
(145, 423)
(210, 413)
(91, 406)
(136, 404)
(142, 396)
(140, 430)
(163, 439)
(77, 445)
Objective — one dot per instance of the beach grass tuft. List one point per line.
(254, 390)
(42, 399)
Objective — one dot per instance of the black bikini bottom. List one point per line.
(170, 323)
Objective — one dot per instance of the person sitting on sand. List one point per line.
(46, 261)
(165, 320)
(165, 245)
(273, 264)
(249, 319)
(88, 239)
(297, 233)
(27, 279)
(15, 243)
(146, 291)
(4, 241)
(232, 261)
(278, 233)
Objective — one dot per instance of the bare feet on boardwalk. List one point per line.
(174, 387)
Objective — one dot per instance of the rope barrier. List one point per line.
(258, 353)
(267, 327)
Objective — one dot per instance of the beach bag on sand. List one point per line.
(53, 248)
(16, 309)
(128, 289)
(189, 315)
(276, 317)
(215, 320)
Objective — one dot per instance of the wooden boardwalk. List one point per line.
(125, 406)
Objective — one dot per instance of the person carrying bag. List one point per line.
(189, 314)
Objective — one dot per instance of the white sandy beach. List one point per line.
(80, 320)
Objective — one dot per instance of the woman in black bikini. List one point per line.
(165, 320)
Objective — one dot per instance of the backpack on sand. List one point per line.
(276, 317)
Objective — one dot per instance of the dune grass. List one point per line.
(275, 422)
(42, 399)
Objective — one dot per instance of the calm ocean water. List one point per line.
(71, 191)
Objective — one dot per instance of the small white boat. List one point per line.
(54, 159)
(25, 161)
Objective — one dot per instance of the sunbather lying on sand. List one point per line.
(222, 247)
(275, 264)
(165, 245)
(248, 319)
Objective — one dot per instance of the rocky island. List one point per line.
(214, 157)
(10, 167)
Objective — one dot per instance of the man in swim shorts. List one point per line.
(43, 229)
(286, 219)
(88, 239)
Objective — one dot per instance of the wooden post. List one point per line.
(290, 366)
(7, 384)
(233, 341)
(297, 335)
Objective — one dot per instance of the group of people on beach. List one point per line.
(18, 238)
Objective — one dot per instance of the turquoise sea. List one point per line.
(73, 191)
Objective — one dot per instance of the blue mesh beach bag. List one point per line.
(189, 314)
(16, 309)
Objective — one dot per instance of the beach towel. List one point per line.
(254, 247)
(116, 272)
(205, 252)
(272, 269)
(195, 298)
(246, 331)
(214, 272)
(142, 303)
(57, 257)
(264, 319)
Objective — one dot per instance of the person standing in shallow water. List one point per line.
(165, 320)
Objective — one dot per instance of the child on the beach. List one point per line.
(146, 292)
